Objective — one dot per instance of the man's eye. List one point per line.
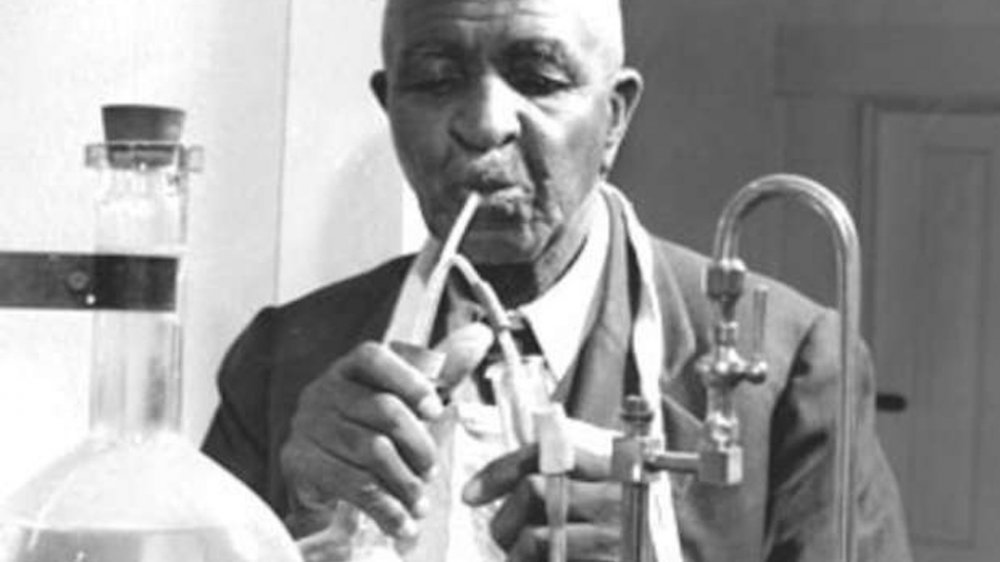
(434, 78)
(535, 84)
(438, 85)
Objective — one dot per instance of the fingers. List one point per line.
(374, 388)
(590, 502)
(344, 421)
(401, 459)
(358, 435)
(501, 476)
(595, 501)
(315, 477)
(524, 508)
(376, 366)
(584, 542)
(595, 504)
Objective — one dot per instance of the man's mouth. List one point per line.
(510, 199)
(507, 199)
(503, 207)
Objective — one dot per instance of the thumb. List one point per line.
(592, 449)
(464, 349)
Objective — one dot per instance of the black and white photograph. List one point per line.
(499, 280)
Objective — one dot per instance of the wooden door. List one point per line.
(931, 215)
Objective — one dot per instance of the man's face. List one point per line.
(514, 99)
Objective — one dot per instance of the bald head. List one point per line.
(599, 22)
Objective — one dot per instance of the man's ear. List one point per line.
(380, 86)
(625, 94)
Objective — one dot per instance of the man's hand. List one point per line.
(519, 527)
(359, 435)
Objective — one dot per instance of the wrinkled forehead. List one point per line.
(592, 26)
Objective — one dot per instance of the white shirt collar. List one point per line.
(561, 316)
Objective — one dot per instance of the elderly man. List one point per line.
(526, 102)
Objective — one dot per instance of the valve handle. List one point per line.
(757, 369)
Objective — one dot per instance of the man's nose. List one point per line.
(488, 116)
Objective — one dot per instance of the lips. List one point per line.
(503, 202)
(503, 194)
(510, 198)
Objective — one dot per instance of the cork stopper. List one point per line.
(142, 123)
(142, 137)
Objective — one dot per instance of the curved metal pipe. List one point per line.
(838, 218)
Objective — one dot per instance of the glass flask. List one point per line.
(135, 490)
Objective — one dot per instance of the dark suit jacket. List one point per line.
(783, 511)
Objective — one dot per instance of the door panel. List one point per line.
(934, 319)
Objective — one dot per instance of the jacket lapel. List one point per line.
(607, 368)
(683, 393)
(593, 392)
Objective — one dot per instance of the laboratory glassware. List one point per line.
(135, 490)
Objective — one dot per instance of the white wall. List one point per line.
(345, 206)
(222, 61)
